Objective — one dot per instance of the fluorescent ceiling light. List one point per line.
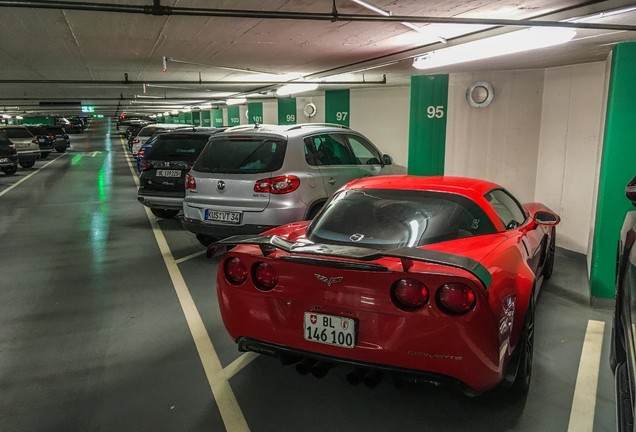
(295, 88)
(19, 117)
(205, 106)
(186, 109)
(236, 101)
(159, 115)
(167, 113)
(407, 24)
(6, 116)
(175, 111)
(509, 43)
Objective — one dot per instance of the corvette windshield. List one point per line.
(388, 219)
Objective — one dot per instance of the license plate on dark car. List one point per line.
(168, 173)
(330, 330)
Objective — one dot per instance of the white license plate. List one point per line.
(168, 173)
(2, 160)
(330, 330)
(223, 216)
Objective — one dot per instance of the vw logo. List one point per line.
(220, 185)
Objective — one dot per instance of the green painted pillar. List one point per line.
(427, 124)
(618, 166)
(255, 112)
(188, 118)
(205, 118)
(196, 118)
(337, 106)
(287, 111)
(161, 119)
(217, 117)
(233, 115)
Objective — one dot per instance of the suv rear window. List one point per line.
(389, 218)
(18, 133)
(177, 147)
(242, 155)
(147, 132)
(37, 130)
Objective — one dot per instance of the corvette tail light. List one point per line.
(265, 276)
(277, 185)
(409, 294)
(144, 166)
(235, 271)
(190, 182)
(456, 298)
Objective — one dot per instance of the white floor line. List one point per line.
(238, 364)
(224, 396)
(194, 255)
(32, 174)
(584, 402)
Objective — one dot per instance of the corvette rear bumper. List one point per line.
(405, 375)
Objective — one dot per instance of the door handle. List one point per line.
(331, 181)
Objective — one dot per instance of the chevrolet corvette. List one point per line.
(421, 279)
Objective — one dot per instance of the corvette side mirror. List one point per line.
(546, 218)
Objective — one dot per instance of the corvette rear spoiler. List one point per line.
(269, 243)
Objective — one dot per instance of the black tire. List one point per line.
(164, 213)
(10, 170)
(43, 155)
(205, 240)
(526, 347)
(29, 164)
(549, 262)
(60, 149)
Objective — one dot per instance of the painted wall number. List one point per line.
(291, 117)
(437, 112)
(341, 116)
(257, 119)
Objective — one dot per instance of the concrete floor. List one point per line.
(93, 337)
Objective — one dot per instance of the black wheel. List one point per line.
(43, 155)
(164, 213)
(60, 149)
(526, 347)
(10, 170)
(28, 164)
(549, 262)
(205, 240)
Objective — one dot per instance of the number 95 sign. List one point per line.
(435, 111)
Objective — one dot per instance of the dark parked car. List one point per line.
(8, 155)
(77, 125)
(623, 344)
(164, 168)
(62, 140)
(46, 140)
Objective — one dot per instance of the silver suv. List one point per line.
(249, 179)
(25, 143)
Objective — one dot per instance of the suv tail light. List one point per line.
(409, 294)
(456, 298)
(141, 153)
(50, 137)
(277, 185)
(190, 182)
(265, 276)
(144, 166)
(235, 271)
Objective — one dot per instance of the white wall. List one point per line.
(500, 142)
(382, 115)
(319, 101)
(571, 131)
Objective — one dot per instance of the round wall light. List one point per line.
(310, 110)
(479, 94)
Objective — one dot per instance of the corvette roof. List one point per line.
(462, 185)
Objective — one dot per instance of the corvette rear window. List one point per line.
(389, 218)
(177, 147)
(242, 155)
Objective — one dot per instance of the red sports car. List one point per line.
(426, 279)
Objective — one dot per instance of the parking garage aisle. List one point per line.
(91, 334)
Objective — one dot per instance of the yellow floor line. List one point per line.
(194, 255)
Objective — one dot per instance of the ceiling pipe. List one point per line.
(158, 10)
(129, 82)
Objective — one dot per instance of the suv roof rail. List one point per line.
(302, 125)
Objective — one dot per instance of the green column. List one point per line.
(196, 118)
(205, 118)
(337, 106)
(255, 112)
(168, 119)
(188, 118)
(233, 115)
(618, 166)
(287, 111)
(161, 119)
(217, 117)
(427, 124)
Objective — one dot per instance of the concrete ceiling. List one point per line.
(41, 45)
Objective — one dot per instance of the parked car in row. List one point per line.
(249, 179)
(424, 279)
(146, 132)
(46, 140)
(62, 140)
(623, 346)
(8, 155)
(164, 168)
(26, 144)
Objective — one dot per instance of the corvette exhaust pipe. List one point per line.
(355, 376)
(320, 369)
(304, 366)
(372, 379)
